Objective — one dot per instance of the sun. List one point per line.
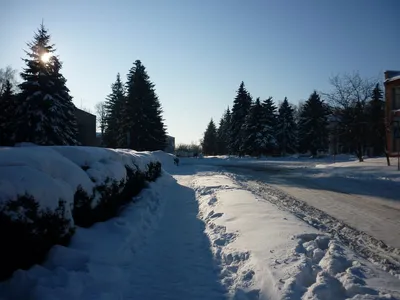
(45, 57)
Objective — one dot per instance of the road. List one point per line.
(369, 206)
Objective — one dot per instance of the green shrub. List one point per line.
(28, 232)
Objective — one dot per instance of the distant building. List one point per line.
(86, 128)
(392, 111)
(170, 148)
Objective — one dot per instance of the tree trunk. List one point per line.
(387, 157)
(359, 153)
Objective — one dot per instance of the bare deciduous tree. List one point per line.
(8, 74)
(349, 89)
(101, 116)
(348, 97)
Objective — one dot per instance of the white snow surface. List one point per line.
(53, 173)
(201, 235)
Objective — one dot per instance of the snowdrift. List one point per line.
(46, 191)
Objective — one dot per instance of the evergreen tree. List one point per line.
(45, 113)
(313, 132)
(114, 105)
(240, 109)
(210, 139)
(7, 106)
(376, 118)
(256, 141)
(224, 132)
(143, 124)
(286, 129)
(269, 125)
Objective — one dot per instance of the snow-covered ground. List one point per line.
(209, 232)
(363, 195)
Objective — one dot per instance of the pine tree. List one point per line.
(269, 126)
(114, 105)
(224, 132)
(143, 124)
(286, 128)
(45, 113)
(313, 132)
(7, 107)
(210, 139)
(376, 118)
(240, 109)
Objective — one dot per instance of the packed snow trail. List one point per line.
(177, 263)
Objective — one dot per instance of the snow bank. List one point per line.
(96, 263)
(166, 160)
(50, 189)
(267, 253)
(53, 173)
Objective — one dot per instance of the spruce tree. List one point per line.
(7, 107)
(240, 109)
(210, 139)
(114, 105)
(224, 132)
(255, 141)
(313, 131)
(376, 119)
(269, 126)
(45, 113)
(143, 124)
(286, 128)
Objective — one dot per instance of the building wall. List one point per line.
(86, 128)
(391, 115)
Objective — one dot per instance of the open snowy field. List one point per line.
(202, 231)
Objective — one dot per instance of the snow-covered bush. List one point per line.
(112, 195)
(46, 191)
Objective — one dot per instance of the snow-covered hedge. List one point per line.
(46, 191)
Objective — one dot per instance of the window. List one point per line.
(396, 98)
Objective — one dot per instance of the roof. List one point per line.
(393, 78)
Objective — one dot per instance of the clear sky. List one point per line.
(198, 52)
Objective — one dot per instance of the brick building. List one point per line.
(392, 111)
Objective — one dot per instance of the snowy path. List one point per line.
(177, 263)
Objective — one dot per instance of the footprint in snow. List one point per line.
(216, 215)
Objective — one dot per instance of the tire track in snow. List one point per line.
(376, 251)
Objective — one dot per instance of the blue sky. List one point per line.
(198, 52)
